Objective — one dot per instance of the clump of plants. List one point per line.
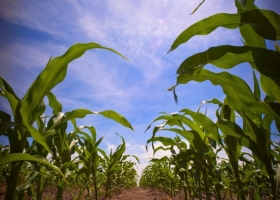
(253, 173)
(55, 157)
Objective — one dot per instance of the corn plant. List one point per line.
(113, 166)
(90, 159)
(257, 115)
(201, 152)
(29, 109)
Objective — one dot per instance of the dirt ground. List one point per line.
(131, 194)
(144, 194)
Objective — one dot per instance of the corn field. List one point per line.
(43, 153)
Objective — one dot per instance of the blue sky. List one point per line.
(143, 31)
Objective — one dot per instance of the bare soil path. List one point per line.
(143, 194)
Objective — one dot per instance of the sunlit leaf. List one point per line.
(116, 117)
(53, 74)
(264, 22)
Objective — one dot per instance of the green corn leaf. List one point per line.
(201, 145)
(38, 111)
(29, 181)
(249, 174)
(119, 151)
(191, 124)
(239, 94)
(78, 113)
(211, 129)
(264, 22)
(81, 113)
(7, 92)
(186, 134)
(93, 133)
(270, 87)
(250, 37)
(275, 155)
(54, 104)
(265, 61)
(162, 117)
(257, 134)
(229, 128)
(27, 157)
(55, 121)
(214, 101)
(116, 117)
(257, 195)
(164, 140)
(160, 148)
(245, 5)
(87, 138)
(53, 74)
(4, 126)
(257, 91)
(136, 158)
(99, 141)
(37, 136)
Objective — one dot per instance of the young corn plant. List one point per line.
(113, 166)
(29, 109)
(90, 159)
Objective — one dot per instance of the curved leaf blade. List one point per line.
(239, 94)
(264, 22)
(54, 103)
(27, 157)
(37, 136)
(266, 61)
(53, 74)
(116, 117)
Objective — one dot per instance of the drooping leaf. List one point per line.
(264, 22)
(78, 113)
(116, 117)
(210, 128)
(27, 157)
(164, 140)
(266, 61)
(238, 92)
(53, 74)
(55, 121)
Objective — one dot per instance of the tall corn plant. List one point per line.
(255, 26)
(27, 110)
